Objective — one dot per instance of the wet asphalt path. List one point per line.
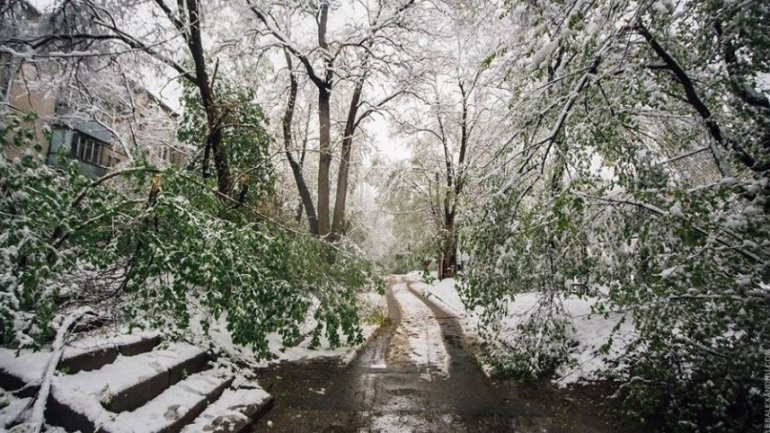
(382, 392)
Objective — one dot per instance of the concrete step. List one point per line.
(165, 390)
(175, 407)
(235, 410)
(131, 381)
(22, 374)
(171, 410)
(92, 353)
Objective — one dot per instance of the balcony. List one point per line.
(84, 143)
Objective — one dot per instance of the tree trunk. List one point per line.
(214, 140)
(325, 160)
(449, 253)
(298, 216)
(296, 168)
(324, 125)
(343, 175)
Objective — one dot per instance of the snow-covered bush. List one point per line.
(691, 278)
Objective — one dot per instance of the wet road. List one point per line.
(407, 381)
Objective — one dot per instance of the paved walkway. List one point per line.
(416, 376)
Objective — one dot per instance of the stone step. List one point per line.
(22, 374)
(131, 381)
(171, 410)
(92, 353)
(235, 410)
(175, 407)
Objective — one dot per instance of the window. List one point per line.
(112, 161)
(170, 155)
(86, 149)
(176, 158)
(6, 75)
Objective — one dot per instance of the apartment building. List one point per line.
(116, 121)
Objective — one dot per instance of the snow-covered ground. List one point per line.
(591, 331)
(418, 336)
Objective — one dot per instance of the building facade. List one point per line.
(115, 121)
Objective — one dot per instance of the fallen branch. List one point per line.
(37, 417)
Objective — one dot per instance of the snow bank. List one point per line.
(445, 294)
(591, 331)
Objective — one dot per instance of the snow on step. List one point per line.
(93, 352)
(96, 343)
(128, 382)
(173, 408)
(11, 408)
(27, 369)
(234, 411)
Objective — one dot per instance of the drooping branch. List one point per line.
(742, 89)
(697, 103)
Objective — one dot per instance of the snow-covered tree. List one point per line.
(152, 246)
(637, 175)
(452, 122)
(338, 53)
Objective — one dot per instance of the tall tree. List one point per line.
(326, 63)
(453, 122)
(306, 200)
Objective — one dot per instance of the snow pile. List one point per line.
(418, 337)
(591, 331)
